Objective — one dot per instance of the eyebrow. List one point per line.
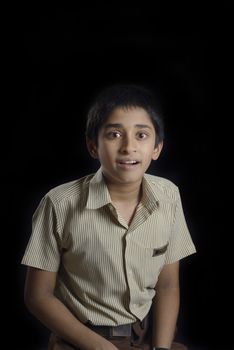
(116, 125)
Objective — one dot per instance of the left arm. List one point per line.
(166, 306)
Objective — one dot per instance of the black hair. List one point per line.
(123, 96)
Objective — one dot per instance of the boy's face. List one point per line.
(126, 145)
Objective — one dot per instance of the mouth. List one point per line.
(128, 163)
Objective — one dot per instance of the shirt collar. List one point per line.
(99, 195)
(150, 198)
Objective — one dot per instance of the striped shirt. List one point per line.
(107, 270)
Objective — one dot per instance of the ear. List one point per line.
(92, 148)
(157, 151)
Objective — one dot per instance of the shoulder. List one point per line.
(163, 187)
(71, 191)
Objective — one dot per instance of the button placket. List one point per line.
(129, 276)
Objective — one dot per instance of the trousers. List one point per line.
(122, 343)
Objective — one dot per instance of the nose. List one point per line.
(128, 145)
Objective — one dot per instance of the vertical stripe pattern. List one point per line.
(106, 269)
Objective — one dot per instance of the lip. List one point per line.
(128, 164)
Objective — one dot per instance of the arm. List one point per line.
(166, 306)
(40, 300)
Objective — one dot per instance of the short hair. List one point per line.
(123, 96)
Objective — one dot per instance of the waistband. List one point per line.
(136, 332)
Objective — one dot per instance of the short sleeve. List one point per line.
(43, 248)
(180, 242)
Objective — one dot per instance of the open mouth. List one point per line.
(128, 164)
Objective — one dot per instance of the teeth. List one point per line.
(129, 162)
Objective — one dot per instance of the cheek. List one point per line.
(148, 150)
(105, 152)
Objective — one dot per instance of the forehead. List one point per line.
(129, 116)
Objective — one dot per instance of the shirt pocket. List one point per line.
(159, 251)
(149, 263)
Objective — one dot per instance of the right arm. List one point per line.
(41, 302)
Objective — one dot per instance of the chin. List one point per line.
(130, 179)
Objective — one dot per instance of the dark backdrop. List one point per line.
(62, 57)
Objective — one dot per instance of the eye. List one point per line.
(142, 135)
(114, 134)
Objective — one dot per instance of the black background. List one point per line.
(61, 57)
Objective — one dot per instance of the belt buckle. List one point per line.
(122, 331)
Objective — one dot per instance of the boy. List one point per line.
(105, 249)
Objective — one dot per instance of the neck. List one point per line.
(129, 193)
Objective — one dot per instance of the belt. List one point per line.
(112, 331)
